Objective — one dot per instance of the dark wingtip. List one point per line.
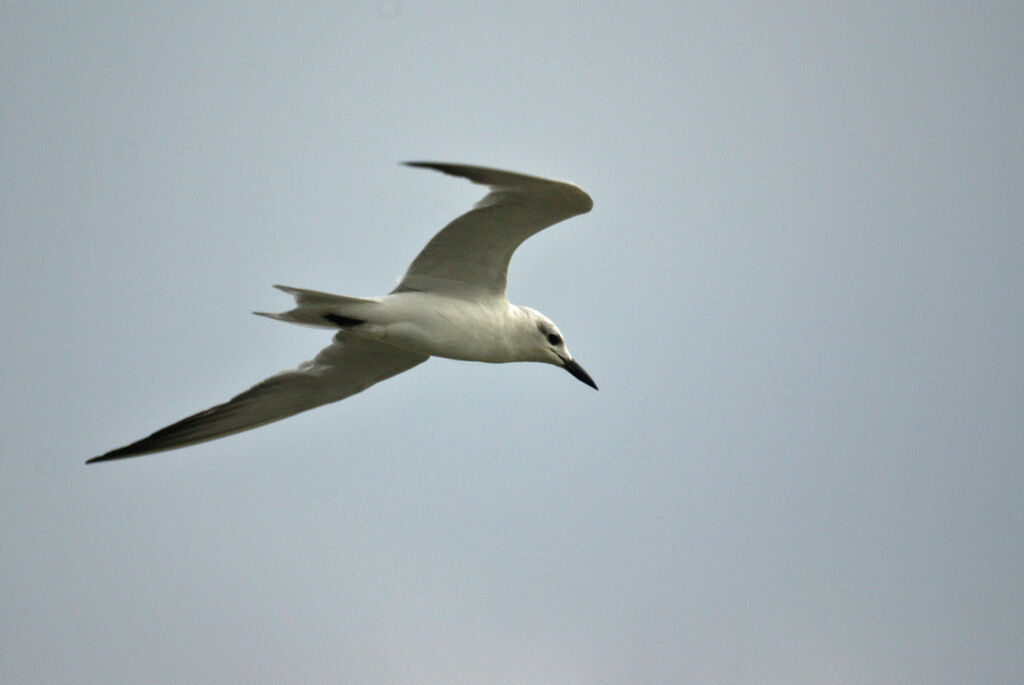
(444, 167)
(109, 456)
(119, 453)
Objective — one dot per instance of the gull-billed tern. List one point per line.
(450, 303)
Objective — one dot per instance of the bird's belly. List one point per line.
(446, 327)
(445, 340)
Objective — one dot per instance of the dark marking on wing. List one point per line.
(343, 321)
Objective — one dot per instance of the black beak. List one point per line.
(577, 370)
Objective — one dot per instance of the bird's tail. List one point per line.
(315, 308)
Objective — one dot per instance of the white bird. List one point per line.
(450, 303)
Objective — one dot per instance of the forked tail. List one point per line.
(315, 308)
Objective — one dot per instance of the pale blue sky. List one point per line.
(799, 291)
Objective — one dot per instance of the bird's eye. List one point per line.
(554, 339)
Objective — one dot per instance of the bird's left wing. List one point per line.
(469, 256)
(348, 365)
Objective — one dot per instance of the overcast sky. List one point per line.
(799, 290)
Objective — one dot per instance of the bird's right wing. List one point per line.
(348, 365)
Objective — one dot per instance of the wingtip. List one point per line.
(136, 449)
(102, 457)
(119, 453)
(498, 177)
(443, 167)
(454, 168)
(133, 450)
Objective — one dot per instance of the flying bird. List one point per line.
(450, 303)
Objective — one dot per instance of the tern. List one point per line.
(450, 303)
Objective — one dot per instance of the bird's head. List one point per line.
(544, 343)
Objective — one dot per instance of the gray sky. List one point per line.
(799, 291)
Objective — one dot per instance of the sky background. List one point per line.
(799, 290)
